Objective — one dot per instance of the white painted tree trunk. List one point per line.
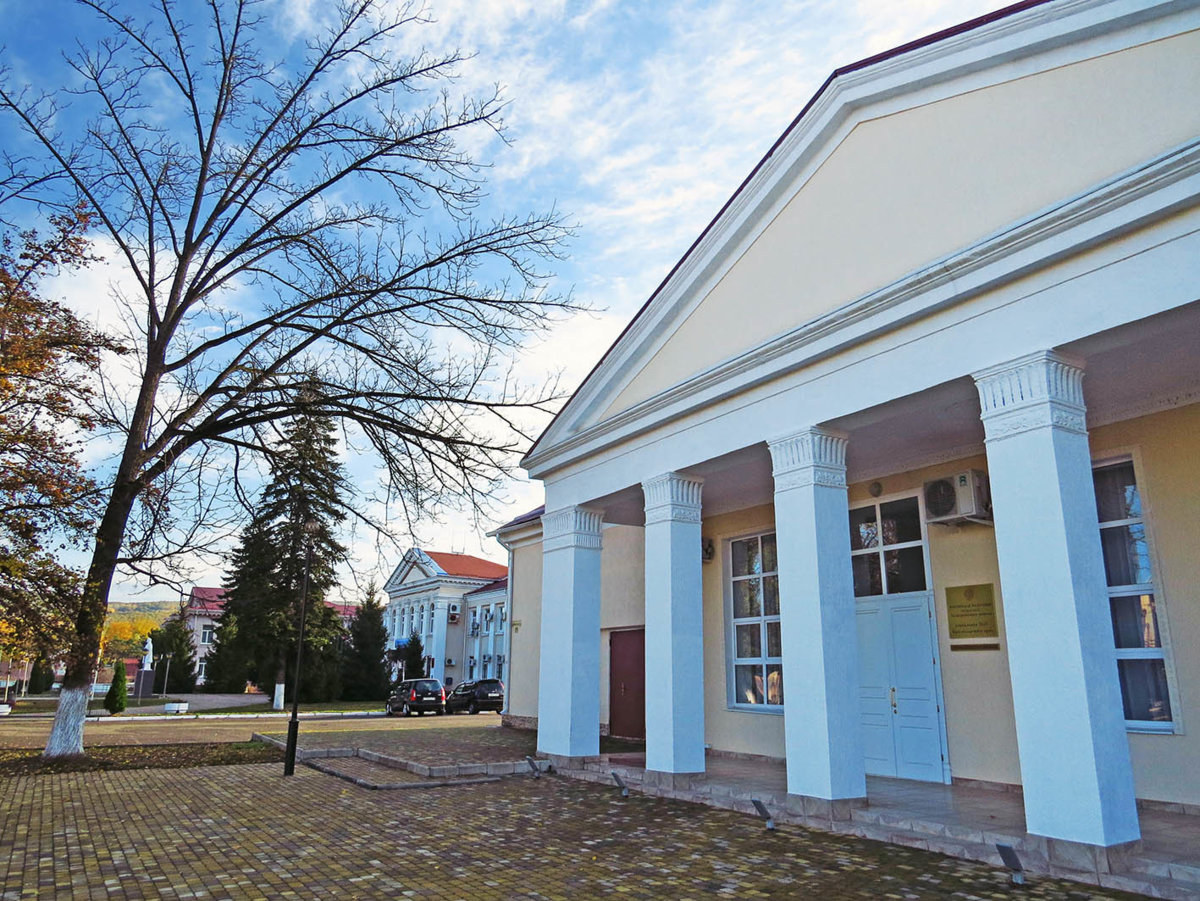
(277, 703)
(66, 735)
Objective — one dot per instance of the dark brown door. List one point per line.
(627, 684)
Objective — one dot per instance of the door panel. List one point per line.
(627, 684)
(898, 689)
(874, 663)
(918, 730)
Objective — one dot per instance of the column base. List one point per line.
(823, 808)
(568, 762)
(1078, 857)
(674, 781)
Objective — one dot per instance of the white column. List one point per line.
(817, 619)
(569, 668)
(437, 645)
(1074, 752)
(674, 626)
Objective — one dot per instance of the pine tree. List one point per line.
(117, 699)
(365, 670)
(294, 525)
(180, 676)
(414, 657)
(227, 669)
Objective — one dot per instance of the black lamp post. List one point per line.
(289, 761)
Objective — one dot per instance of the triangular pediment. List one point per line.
(415, 566)
(883, 179)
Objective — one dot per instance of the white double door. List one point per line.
(898, 678)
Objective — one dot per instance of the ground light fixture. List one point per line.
(1008, 854)
(289, 760)
(763, 812)
(620, 784)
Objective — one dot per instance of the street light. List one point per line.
(289, 761)
(166, 655)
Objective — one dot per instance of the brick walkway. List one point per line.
(245, 832)
(463, 741)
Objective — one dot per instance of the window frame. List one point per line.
(732, 661)
(211, 630)
(1155, 587)
(879, 550)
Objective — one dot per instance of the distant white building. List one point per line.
(485, 650)
(427, 594)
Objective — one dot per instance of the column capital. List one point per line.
(1043, 389)
(673, 497)
(571, 527)
(812, 456)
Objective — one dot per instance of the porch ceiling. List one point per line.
(1131, 370)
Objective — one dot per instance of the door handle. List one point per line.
(622, 689)
(893, 694)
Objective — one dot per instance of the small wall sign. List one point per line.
(971, 612)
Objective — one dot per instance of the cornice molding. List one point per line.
(813, 456)
(1069, 227)
(571, 527)
(672, 497)
(1040, 390)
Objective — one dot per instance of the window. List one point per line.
(754, 620)
(201, 669)
(1141, 658)
(421, 620)
(501, 621)
(500, 668)
(887, 552)
(206, 633)
(487, 620)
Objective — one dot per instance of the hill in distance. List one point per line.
(128, 611)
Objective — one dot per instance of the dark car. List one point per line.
(476, 695)
(417, 696)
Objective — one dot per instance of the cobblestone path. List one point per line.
(246, 832)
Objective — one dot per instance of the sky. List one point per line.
(635, 119)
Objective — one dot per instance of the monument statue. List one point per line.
(148, 653)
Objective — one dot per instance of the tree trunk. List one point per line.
(83, 656)
(280, 678)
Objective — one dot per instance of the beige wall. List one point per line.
(525, 621)
(623, 593)
(1166, 447)
(888, 201)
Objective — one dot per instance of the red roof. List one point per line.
(206, 600)
(343, 610)
(490, 586)
(467, 566)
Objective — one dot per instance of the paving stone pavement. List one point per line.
(463, 743)
(246, 832)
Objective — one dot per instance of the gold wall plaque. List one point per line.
(971, 611)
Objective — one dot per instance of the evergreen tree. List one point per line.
(294, 526)
(175, 639)
(413, 658)
(41, 677)
(117, 699)
(365, 669)
(228, 670)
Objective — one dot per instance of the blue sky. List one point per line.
(636, 119)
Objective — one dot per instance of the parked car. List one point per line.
(476, 695)
(417, 696)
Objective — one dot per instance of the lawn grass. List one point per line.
(21, 762)
(50, 705)
(316, 707)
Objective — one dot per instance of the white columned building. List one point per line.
(1074, 753)
(864, 519)
(570, 626)
(674, 626)
(816, 607)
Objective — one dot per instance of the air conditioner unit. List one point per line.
(449, 661)
(453, 617)
(487, 658)
(500, 658)
(454, 609)
(471, 660)
(964, 497)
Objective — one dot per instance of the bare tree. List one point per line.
(298, 227)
